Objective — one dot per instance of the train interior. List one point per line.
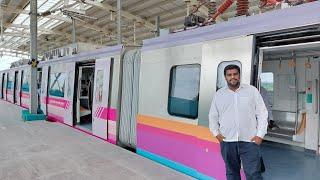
(84, 95)
(289, 84)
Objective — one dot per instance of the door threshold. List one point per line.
(284, 141)
(81, 128)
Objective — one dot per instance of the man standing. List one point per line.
(238, 119)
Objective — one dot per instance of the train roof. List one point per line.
(98, 53)
(298, 16)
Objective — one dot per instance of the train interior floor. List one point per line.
(46, 150)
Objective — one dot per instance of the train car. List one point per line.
(83, 91)
(156, 100)
(277, 51)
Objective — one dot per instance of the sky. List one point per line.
(5, 61)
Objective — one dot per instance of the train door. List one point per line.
(312, 105)
(84, 96)
(289, 78)
(25, 88)
(216, 56)
(15, 87)
(100, 104)
(8, 85)
(44, 89)
(18, 90)
(2, 85)
(69, 92)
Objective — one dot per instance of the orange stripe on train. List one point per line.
(179, 127)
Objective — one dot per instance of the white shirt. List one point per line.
(238, 115)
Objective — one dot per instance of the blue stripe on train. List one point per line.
(174, 165)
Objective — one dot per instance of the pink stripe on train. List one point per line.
(106, 113)
(202, 155)
(62, 103)
(9, 92)
(54, 117)
(25, 95)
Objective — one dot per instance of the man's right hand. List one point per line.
(220, 137)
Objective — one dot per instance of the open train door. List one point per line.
(44, 89)
(69, 93)
(312, 106)
(100, 106)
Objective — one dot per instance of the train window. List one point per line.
(267, 81)
(184, 91)
(10, 82)
(57, 84)
(25, 81)
(221, 81)
(99, 86)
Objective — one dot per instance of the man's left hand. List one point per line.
(257, 140)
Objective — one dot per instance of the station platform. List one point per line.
(46, 150)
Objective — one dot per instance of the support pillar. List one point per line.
(32, 113)
(34, 56)
(119, 24)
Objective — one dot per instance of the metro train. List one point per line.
(155, 99)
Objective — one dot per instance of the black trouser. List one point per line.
(248, 153)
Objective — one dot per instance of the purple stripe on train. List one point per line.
(199, 154)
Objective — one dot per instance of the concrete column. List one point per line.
(119, 24)
(157, 26)
(34, 55)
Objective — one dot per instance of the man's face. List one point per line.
(233, 77)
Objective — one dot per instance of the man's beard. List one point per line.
(234, 85)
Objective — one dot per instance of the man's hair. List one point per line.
(231, 66)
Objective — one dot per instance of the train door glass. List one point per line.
(85, 96)
(15, 87)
